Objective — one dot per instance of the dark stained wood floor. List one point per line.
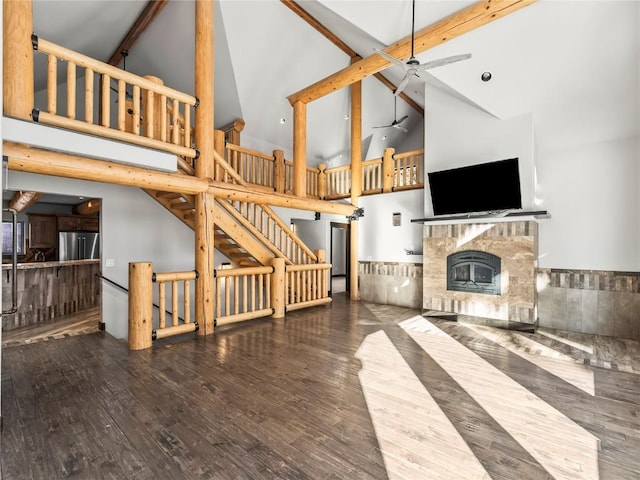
(307, 397)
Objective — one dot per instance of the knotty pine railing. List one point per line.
(159, 116)
(243, 294)
(408, 170)
(307, 285)
(264, 220)
(179, 324)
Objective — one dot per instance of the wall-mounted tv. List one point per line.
(485, 187)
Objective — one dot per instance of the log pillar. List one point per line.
(356, 141)
(204, 167)
(279, 179)
(354, 292)
(300, 149)
(17, 59)
(321, 256)
(278, 294)
(388, 170)
(140, 305)
(219, 145)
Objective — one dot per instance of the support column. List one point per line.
(279, 179)
(204, 168)
(356, 181)
(140, 305)
(300, 149)
(17, 60)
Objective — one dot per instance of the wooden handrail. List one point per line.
(306, 285)
(48, 47)
(236, 272)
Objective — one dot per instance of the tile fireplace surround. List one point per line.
(514, 242)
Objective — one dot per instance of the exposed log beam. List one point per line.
(337, 41)
(90, 207)
(22, 200)
(459, 23)
(150, 12)
(32, 160)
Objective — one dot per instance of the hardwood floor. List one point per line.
(347, 391)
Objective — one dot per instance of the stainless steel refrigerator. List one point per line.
(78, 246)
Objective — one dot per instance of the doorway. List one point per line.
(340, 257)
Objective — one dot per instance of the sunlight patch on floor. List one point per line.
(554, 362)
(562, 447)
(416, 438)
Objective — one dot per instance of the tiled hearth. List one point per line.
(515, 243)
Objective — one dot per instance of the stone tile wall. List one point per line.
(391, 283)
(590, 301)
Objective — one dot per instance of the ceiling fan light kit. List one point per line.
(413, 67)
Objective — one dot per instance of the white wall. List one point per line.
(458, 134)
(589, 187)
(592, 193)
(378, 239)
(134, 228)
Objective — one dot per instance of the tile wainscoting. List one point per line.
(590, 301)
(391, 283)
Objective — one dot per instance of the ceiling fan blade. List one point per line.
(444, 61)
(403, 84)
(383, 126)
(398, 122)
(400, 128)
(390, 58)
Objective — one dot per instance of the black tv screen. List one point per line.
(478, 188)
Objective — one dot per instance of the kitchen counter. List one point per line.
(47, 290)
(65, 263)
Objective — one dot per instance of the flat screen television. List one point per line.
(485, 187)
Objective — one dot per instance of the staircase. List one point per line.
(248, 234)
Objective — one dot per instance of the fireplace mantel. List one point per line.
(488, 216)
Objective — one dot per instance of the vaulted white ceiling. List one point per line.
(569, 63)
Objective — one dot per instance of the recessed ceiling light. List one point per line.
(384, 137)
(283, 121)
(486, 76)
(346, 117)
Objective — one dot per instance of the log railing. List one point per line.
(372, 176)
(270, 226)
(408, 170)
(141, 317)
(254, 168)
(160, 116)
(242, 294)
(307, 285)
(338, 182)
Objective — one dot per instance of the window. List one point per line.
(7, 238)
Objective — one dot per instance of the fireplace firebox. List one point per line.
(474, 271)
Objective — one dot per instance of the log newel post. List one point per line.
(356, 181)
(17, 57)
(140, 305)
(300, 149)
(354, 291)
(322, 181)
(388, 170)
(321, 256)
(279, 180)
(204, 168)
(278, 294)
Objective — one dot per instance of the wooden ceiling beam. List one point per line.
(150, 12)
(22, 200)
(337, 41)
(459, 23)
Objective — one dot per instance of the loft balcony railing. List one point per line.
(138, 110)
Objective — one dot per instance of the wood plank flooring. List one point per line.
(346, 391)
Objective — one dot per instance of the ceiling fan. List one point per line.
(413, 67)
(396, 123)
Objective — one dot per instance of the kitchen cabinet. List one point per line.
(43, 231)
(78, 224)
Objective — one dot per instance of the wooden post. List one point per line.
(321, 255)
(17, 58)
(218, 146)
(278, 171)
(322, 181)
(204, 167)
(388, 170)
(140, 305)
(278, 296)
(354, 292)
(300, 149)
(356, 139)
